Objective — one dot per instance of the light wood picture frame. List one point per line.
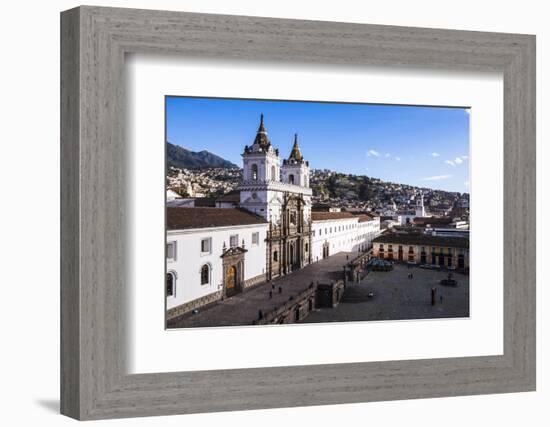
(94, 42)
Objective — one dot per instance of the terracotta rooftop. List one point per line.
(423, 239)
(183, 218)
(364, 217)
(326, 216)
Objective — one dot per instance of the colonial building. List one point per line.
(406, 217)
(213, 253)
(421, 248)
(281, 195)
(335, 232)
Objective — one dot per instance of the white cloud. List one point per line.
(373, 153)
(467, 184)
(464, 157)
(450, 162)
(458, 161)
(387, 154)
(398, 159)
(436, 178)
(434, 154)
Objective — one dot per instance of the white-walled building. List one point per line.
(172, 195)
(213, 253)
(407, 217)
(334, 232)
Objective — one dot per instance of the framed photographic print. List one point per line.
(288, 213)
(298, 243)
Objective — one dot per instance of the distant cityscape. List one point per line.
(340, 191)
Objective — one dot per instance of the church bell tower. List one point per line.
(295, 169)
(419, 210)
(261, 169)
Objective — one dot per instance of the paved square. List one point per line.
(396, 297)
(242, 309)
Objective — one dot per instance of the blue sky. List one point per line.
(422, 146)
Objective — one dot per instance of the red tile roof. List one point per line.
(326, 216)
(183, 218)
(423, 239)
(364, 217)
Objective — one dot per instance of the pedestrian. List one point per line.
(280, 289)
(411, 275)
(270, 294)
(441, 299)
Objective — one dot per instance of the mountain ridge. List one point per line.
(183, 158)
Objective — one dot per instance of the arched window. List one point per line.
(170, 284)
(291, 178)
(254, 171)
(205, 274)
(273, 173)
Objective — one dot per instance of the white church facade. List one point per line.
(215, 253)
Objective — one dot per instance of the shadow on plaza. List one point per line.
(392, 295)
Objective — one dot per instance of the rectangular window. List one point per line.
(255, 238)
(234, 240)
(171, 251)
(293, 217)
(206, 245)
(275, 256)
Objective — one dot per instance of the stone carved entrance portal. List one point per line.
(233, 271)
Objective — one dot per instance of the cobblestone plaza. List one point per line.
(378, 296)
